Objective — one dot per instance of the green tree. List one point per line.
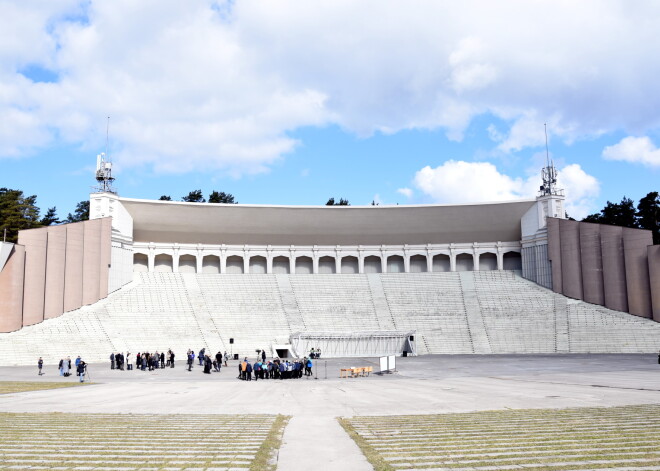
(17, 212)
(194, 196)
(81, 212)
(165, 198)
(616, 214)
(50, 217)
(648, 214)
(342, 202)
(222, 197)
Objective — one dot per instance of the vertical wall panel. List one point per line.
(635, 243)
(571, 266)
(55, 263)
(592, 263)
(106, 254)
(554, 254)
(614, 268)
(11, 291)
(653, 253)
(91, 261)
(73, 272)
(34, 241)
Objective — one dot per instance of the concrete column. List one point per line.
(292, 261)
(614, 268)
(653, 254)
(269, 261)
(360, 261)
(337, 260)
(635, 243)
(55, 264)
(11, 290)
(383, 261)
(475, 259)
(571, 265)
(554, 254)
(223, 261)
(592, 263)
(91, 261)
(315, 261)
(35, 242)
(175, 259)
(429, 261)
(73, 271)
(151, 260)
(500, 257)
(452, 260)
(199, 261)
(106, 256)
(246, 261)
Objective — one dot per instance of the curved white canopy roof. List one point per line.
(207, 223)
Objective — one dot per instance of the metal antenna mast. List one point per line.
(549, 172)
(104, 176)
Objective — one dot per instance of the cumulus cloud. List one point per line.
(214, 85)
(473, 182)
(407, 192)
(634, 149)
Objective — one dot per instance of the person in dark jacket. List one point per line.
(171, 359)
(40, 364)
(112, 361)
(263, 356)
(207, 364)
(201, 356)
(81, 370)
(248, 371)
(162, 360)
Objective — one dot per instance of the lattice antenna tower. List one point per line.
(549, 172)
(104, 176)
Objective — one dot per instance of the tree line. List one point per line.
(644, 215)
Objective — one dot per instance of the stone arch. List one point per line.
(235, 265)
(140, 263)
(372, 264)
(395, 264)
(464, 262)
(418, 264)
(487, 261)
(304, 266)
(281, 265)
(187, 263)
(349, 265)
(163, 263)
(327, 265)
(441, 263)
(258, 265)
(512, 261)
(211, 264)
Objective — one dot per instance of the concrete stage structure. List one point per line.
(456, 274)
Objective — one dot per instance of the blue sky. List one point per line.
(428, 102)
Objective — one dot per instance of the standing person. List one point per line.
(82, 369)
(162, 360)
(61, 367)
(308, 367)
(226, 357)
(171, 359)
(218, 358)
(169, 354)
(263, 356)
(207, 364)
(40, 364)
(66, 367)
(200, 357)
(112, 361)
(78, 360)
(191, 359)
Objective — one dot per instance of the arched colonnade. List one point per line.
(346, 260)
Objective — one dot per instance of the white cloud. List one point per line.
(407, 192)
(634, 149)
(219, 85)
(473, 182)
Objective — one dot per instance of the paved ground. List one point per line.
(423, 385)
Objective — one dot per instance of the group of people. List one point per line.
(65, 367)
(315, 353)
(276, 369)
(206, 360)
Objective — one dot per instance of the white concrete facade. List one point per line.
(324, 259)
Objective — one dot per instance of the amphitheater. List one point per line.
(528, 340)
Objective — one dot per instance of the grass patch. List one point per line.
(8, 387)
(372, 455)
(264, 459)
(538, 439)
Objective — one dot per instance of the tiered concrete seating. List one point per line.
(431, 303)
(247, 308)
(167, 310)
(595, 329)
(335, 303)
(518, 317)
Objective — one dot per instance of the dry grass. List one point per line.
(8, 387)
(265, 459)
